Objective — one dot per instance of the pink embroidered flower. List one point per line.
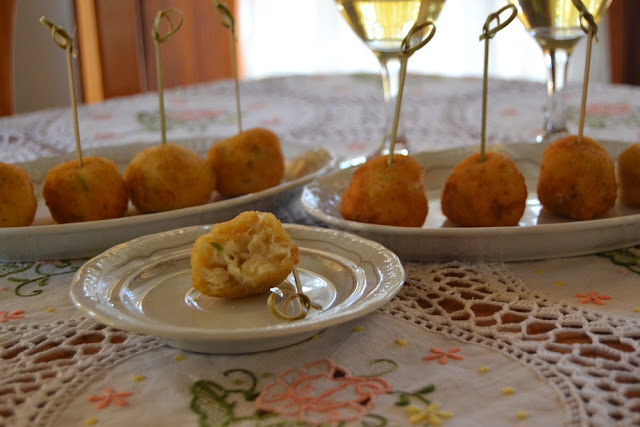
(509, 112)
(320, 393)
(109, 396)
(593, 297)
(5, 316)
(444, 356)
(104, 135)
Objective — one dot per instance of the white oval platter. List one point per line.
(539, 234)
(47, 240)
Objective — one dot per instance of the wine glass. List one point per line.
(382, 25)
(555, 25)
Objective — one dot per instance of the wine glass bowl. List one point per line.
(555, 25)
(382, 25)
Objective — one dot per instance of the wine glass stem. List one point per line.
(390, 72)
(555, 116)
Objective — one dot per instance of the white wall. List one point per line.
(40, 66)
(309, 36)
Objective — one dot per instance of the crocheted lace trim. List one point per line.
(48, 363)
(488, 305)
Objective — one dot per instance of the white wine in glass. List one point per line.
(555, 25)
(382, 25)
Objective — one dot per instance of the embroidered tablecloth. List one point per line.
(546, 342)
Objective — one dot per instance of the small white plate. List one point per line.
(47, 240)
(538, 235)
(144, 286)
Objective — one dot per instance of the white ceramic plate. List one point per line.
(539, 234)
(47, 240)
(144, 286)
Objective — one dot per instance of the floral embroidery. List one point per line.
(214, 403)
(321, 392)
(627, 258)
(442, 356)
(432, 414)
(6, 316)
(110, 395)
(338, 397)
(43, 270)
(593, 297)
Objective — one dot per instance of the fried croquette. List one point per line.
(92, 192)
(247, 162)
(168, 177)
(629, 176)
(245, 256)
(577, 179)
(489, 193)
(18, 202)
(387, 194)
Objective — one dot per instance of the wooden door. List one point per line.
(117, 53)
(7, 19)
(624, 35)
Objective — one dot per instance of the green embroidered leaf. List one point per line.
(428, 389)
(625, 258)
(12, 268)
(209, 403)
(388, 366)
(403, 400)
(374, 420)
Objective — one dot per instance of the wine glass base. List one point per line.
(401, 148)
(547, 137)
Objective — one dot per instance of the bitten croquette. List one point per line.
(245, 256)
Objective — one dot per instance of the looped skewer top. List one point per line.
(226, 19)
(488, 32)
(65, 41)
(60, 36)
(406, 50)
(164, 15)
(587, 21)
(225, 16)
(305, 302)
